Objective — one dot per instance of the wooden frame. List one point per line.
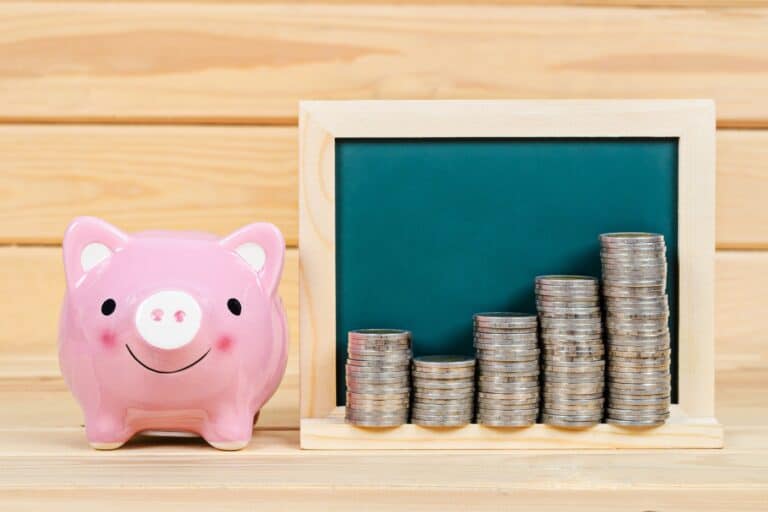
(692, 122)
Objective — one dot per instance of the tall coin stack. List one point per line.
(444, 391)
(508, 357)
(637, 315)
(573, 359)
(378, 391)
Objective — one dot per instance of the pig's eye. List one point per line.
(234, 307)
(108, 307)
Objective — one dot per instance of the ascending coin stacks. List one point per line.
(508, 359)
(571, 337)
(637, 316)
(377, 373)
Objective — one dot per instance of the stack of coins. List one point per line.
(444, 391)
(508, 358)
(573, 359)
(637, 315)
(378, 391)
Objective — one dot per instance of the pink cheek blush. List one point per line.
(108, 339)
(224, 343)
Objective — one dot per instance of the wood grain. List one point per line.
(601, 3)
(742, 188)
(220, 178)
(145, 177)
(251, 63)
(378, 499)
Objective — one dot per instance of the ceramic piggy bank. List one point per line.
(172, 330)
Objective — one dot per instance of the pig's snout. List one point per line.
(168, 319)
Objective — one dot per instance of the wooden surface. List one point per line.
(219, 178)
(248, 62)
(680, 431)
(251, 63)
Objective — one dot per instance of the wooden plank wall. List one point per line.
(182, 115)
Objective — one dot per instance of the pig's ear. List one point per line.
(262, 247)
(87, 242)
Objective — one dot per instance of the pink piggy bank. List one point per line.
(172, 330)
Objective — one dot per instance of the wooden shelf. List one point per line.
(332, 433)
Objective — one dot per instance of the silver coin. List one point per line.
(573, 388)
(444, 361)
(639, 353)
(507, 355)
(507, 389)
(380, 390)
(574, 346)
(614, 271)
(577, 366)
(521, 377)
(374, 415)
(571, 323)
(520, 347)
(632, 238)
(361, 353)
(376, 422)
(421, 377)
(571, 358)
(441, 422)
(382, 409)
(654, 422)
(440, 415)
(374, 366)
(378, 383)
(506, 422)
(639, 389)
(643, 365)
(660, 408)
(504, 319)
(487, 366)
(558, 421)
(353, 399)
(444, 394)
(443, 370)
(377, 403)
(634, 413)
(379, 334)
(650, 292)
(441, 410)
(574, 281)
(506, 396)
(443, 383)
(560, 294)
(365, 373)
(505, 336)
(631, 302)
(379, 345)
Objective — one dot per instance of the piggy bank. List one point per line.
(172, 331)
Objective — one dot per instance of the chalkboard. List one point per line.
(430, 231)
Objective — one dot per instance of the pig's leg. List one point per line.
(228, 428)
(107, 430)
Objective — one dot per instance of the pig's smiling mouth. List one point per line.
(166, 371)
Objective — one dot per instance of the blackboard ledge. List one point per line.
(681, 431)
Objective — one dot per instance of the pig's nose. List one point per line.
(168, 319)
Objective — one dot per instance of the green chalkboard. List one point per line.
(430, 231)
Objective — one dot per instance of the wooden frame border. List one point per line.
(692, 122)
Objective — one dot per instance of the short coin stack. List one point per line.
(444, 391)
(508, 357)
(378, 391)
(573, 359)
(637, 315)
